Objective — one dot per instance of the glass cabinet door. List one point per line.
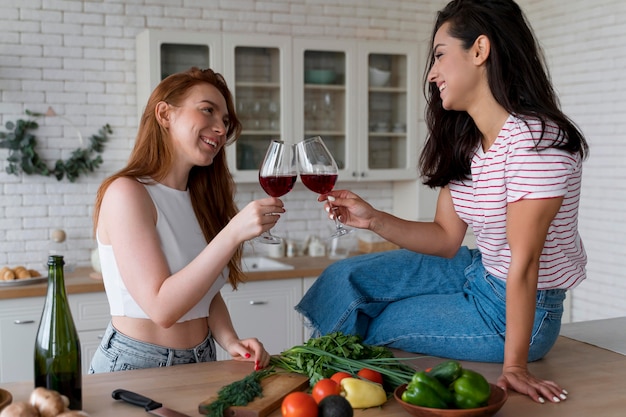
(325, 97)
(260, 93)
(391, 109)
(162, 53)
(324, 100)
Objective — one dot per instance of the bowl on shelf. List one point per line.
(378, 77)
(319, 76)
(496, 400)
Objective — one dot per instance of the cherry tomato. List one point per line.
(325, 387)
(371, 375)
(338, 376)
(298, 404)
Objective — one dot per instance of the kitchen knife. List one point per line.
(149, 405)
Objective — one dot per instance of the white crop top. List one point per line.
(181, 241)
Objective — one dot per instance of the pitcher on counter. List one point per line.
(507, 163)
(170, 235)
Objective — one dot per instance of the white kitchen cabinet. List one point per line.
(387, 147)
(160, 53)
(370, 128)
(293, 88)
(19, 321)
(265, 310)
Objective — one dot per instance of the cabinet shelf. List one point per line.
(325, 87)
(256, 84)
(397, 90)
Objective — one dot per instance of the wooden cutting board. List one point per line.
(275, 388)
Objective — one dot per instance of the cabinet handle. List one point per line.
(257, 303)
(18, 321)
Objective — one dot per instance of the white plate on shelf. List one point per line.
(23, 281)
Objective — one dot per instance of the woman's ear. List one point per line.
(162, 114)
(481, 49)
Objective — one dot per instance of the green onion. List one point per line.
(321, 357)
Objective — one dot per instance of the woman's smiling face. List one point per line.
(199, 125)
(454, 71)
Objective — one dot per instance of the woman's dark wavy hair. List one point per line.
(211, 188)
(518, 78)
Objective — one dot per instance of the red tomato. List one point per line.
(338, 376)
(298, 404)
(371, 375)
(325, 387)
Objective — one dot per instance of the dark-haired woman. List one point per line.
(170, 235)
(507, 162)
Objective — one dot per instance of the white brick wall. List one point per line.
(79, 57)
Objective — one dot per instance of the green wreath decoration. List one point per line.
(23, 156)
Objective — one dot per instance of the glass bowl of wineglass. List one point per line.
(277, 176)
(318, 172)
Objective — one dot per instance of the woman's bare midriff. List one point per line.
(185, 335)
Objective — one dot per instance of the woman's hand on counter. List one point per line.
(250, 350)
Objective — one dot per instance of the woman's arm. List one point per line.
(128, 222)
(225, 335)
(527, 227)
(442, 236)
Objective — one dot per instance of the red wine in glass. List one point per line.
(277, 185)
(318, 171)
(319, 183)
(277, 176)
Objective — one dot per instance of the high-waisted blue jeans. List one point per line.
(425, 304)
(118, 352)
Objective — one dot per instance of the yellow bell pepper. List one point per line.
(363, 394)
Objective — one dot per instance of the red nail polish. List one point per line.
(247, 355)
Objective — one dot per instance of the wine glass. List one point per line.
(277, 176)
(318, 172)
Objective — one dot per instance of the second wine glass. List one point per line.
(318, 172)
(277, 176)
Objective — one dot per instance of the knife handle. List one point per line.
(135, 399)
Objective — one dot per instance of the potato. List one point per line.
(48, 402)
(19, 409)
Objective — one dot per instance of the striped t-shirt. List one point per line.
(513, 169)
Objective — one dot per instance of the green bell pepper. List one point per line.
(422, 394)
(442, 392)
(471, 390)
(446, 372)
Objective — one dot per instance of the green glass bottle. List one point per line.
(57, 348)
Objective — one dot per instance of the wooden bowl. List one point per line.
(494, 403)
(5, 398)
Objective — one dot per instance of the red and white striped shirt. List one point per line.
(511, 170)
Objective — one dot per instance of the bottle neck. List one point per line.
(56, 280)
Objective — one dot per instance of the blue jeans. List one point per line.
(118, 352)
(425, 304)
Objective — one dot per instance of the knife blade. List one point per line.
(148, 404)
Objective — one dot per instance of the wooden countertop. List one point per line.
(76, 282)
(593, 376)
(80, 280)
